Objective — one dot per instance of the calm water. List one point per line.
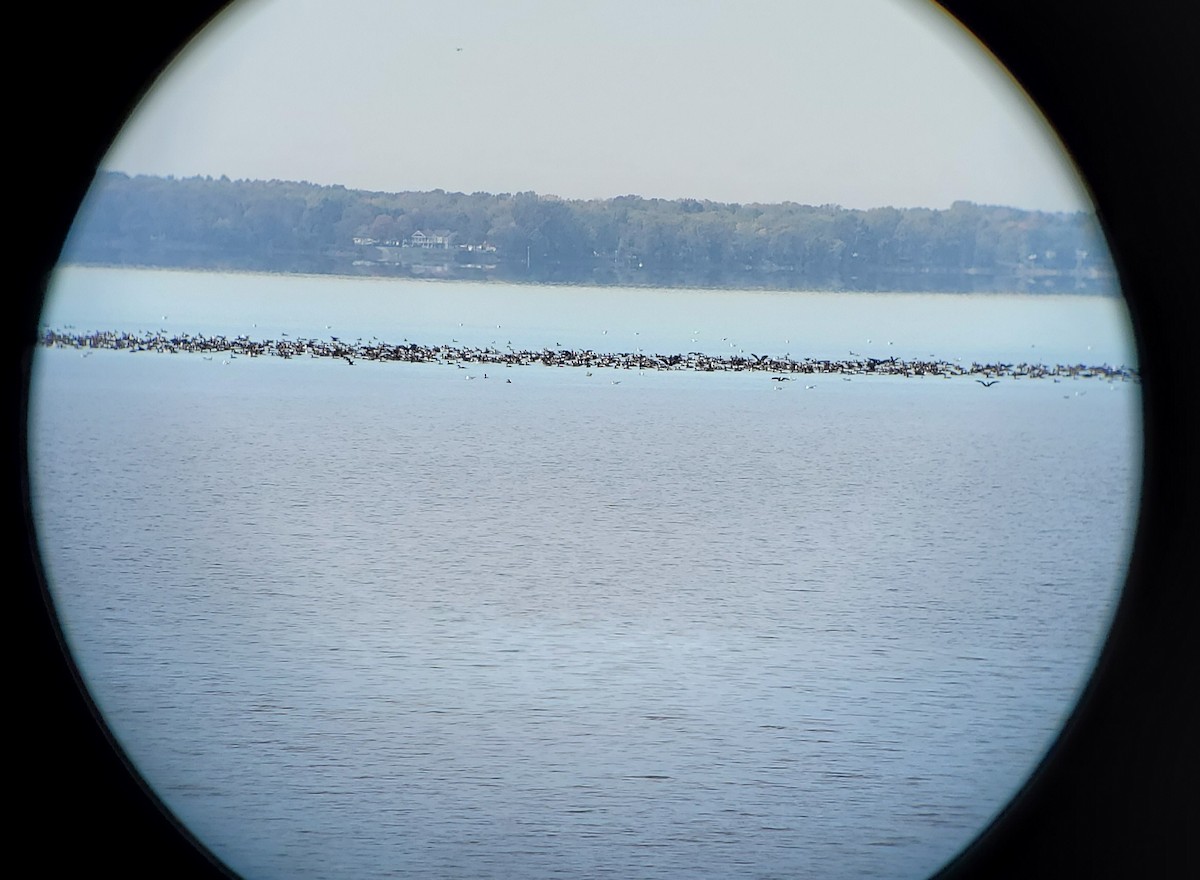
(386, 621)
(1066, 329)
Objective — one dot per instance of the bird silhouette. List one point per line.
(987, 384)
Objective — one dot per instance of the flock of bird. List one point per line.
(781, 368)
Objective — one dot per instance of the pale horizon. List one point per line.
(869, 104)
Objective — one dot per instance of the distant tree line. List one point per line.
(283, 226)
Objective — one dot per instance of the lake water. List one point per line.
(383, 620)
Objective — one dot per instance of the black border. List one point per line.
(1118, 795)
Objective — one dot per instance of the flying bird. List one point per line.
(987, 384)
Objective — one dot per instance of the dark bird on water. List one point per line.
(987, 384)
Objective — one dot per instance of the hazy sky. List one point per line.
(860, 103)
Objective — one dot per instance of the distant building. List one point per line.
(439, 240)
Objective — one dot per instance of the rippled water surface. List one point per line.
(389, 621)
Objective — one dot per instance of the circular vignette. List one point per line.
(1115, 793)
(1113, 797)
